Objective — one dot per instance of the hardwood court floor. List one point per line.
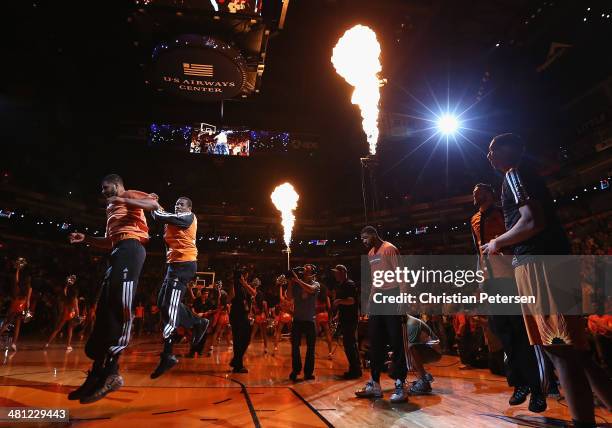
(202, 393)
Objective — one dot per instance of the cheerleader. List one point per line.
(21, 294)
(259, 312)
(90, 319)
(322, 319)
(222, 323)
(154, 315)
(283, 311)
(69, 317)
(139, 314)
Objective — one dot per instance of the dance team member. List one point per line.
(259, 313)
(323, 307)
(69, 314)
(21, 294)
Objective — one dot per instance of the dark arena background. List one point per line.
(223, 101)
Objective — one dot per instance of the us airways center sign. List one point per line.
(200, 85)
(200, 68)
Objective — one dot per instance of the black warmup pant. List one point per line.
(525, 363)
(306, 328)
(383, 329)
(114, 314)
(349, 340)
(174, 312)
(241, 332)
(471, 347)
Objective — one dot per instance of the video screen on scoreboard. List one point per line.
(206, 139)
(167, 135)
(238, 7)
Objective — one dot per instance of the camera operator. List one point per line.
(304, 294)
(239, 318)
(347, 298)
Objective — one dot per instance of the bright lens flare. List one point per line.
(285, 199)
(448, 124)
(356, 58)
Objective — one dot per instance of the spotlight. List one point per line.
(448, 124)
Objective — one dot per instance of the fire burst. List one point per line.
(285, 199)
(356, 58)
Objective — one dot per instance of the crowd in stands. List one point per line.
(49, 265)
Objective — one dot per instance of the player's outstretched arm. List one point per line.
(78, 238)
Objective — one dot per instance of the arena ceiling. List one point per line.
(75, 75)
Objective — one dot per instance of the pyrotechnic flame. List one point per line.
(356, 58)
(285, 199)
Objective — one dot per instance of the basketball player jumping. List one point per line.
(126, 232)
(182, 254)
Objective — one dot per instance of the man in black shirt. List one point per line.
(346, 300)
(533, 228)
(204, 304)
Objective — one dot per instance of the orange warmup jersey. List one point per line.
(124, 222)
(181, 242)
(486, 226)
(490, 224)
(386, 258)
